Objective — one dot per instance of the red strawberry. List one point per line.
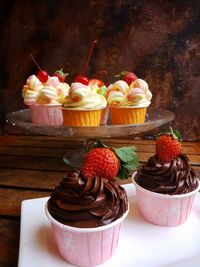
(101, 162)
(109, 162)
(168, 147)
(127, 76)
(61, 75)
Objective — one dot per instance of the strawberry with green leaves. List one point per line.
(168, 146)
(107, 162)
(127, 76)
(61, 75)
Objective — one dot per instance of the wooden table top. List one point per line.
(31, 166)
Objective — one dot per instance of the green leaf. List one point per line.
(132, 164)
(125, 153)
(121, 74)
(175, 135)
(60, 71)
(93, 144)
(123, 174)
(128, 161)
(178, 135)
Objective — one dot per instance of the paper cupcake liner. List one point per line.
(81, 117)
(128, 115)
(104, 116)
(164, 210)
(86, 246)
(46, 115)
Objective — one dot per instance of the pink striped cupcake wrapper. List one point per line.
(46, 114)
(164, 210)
(86, 246)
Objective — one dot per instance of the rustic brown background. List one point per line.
(158, 40)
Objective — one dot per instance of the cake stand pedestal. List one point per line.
(19, 122)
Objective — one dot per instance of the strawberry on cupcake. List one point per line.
(88, 206)
(128, 99)
(166, 185)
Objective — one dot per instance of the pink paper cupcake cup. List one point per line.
(86, 246)
(164, 210)
(104, 116)
(46, 114)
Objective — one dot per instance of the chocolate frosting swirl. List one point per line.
(173, 178)
(93, 202)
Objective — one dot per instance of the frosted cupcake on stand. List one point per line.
(44, 95)
(128, 99)
(83, 106)
(101, 89)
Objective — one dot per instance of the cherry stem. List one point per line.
(35, 61)
(89, 56)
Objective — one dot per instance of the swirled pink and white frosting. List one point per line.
(52, 92)
(137, 94)
(84, 97)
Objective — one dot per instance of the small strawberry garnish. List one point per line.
(61, 75)
(127, 76)
(100, 162)
(109, 162)
(130, 77)
(81, 79)
(168, 146)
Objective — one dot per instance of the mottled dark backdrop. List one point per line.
(158, 40)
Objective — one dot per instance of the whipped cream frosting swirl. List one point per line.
(87, 203)
(172, 178)
(52, 92)
(84, 97)
(137, 94)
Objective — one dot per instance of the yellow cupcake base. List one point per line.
(81, 118)
(128, 115)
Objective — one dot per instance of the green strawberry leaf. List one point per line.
(132, 164)
(93, 144)
(121, 74)
(60, 72)
(123, 174)
(128, 161)
(178, 135)
(125, 153)
(175, 134)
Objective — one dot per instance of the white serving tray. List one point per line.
(141, 244)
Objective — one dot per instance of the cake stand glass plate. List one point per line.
(141, 244)
(18, 122)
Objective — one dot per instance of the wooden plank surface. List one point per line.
(34, 179)
(10, 200)
(58, 148)
(9, 242)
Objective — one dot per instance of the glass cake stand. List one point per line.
(19, 122)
